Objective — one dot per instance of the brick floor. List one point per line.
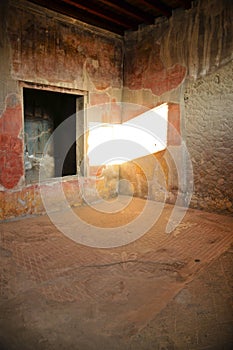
(163, 291)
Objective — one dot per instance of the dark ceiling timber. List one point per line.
(158, 6)
(116, 16)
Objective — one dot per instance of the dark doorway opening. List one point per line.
(44, 111)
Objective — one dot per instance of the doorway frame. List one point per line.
(53, 88)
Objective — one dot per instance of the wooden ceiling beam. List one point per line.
(157, 5)
(113, 15)
(91, 9)
(80, 15)
(127, 9)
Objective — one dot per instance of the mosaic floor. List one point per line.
(161, 291)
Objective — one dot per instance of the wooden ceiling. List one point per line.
(115, 15)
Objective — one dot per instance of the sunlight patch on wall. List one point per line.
(118, 143)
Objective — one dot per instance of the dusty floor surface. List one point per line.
(162, 291)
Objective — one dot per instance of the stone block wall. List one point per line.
(209, 137)
(187, 61)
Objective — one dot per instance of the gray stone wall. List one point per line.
(209, 137)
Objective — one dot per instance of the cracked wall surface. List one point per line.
(190, 44)
(185, 61)
(45, 49)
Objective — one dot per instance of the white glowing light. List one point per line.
(118, 143)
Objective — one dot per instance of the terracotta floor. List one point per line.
(162, 291)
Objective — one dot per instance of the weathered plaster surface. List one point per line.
(190, 44)
(28, 200)
(185, 60)
(162, 60)
(11, 144)
(39, 47)
(199, 39)
(144, 68)
(52, 49)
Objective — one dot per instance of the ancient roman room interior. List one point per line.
(116, 174)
